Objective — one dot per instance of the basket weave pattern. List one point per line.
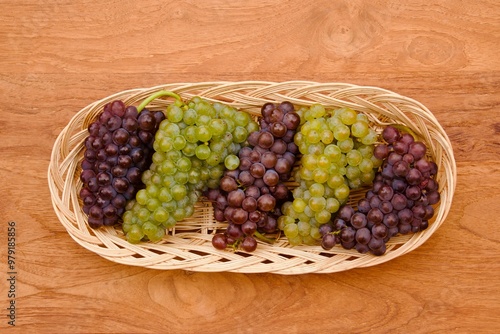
(188, 246)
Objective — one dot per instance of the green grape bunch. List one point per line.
(337, 156)
(191, 147)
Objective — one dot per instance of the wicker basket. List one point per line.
(188, 246)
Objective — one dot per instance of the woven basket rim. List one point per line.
(190, 248)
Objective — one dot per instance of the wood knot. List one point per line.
(431, 50)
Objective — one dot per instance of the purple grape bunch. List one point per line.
(249, 197)
(401, 200)
(118, 150)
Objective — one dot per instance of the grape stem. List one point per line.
(157, 95)
(263, 238)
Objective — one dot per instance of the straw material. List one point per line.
(188, 246)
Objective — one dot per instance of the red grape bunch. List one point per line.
(249, 197)
(117, 151)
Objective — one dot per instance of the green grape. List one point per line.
(174, 113)
(309, 161)
(359, 129)
(174, 156)
(307, 195)
(354, 157)
(303, 228)
(218, 127)
(179, 142)
(183, 164)
(291, 230)
(317, 189)
(333, 152)
(303, 216)
(323, 161)
(165, 195)
(317, 203)
(366, 165)
(241, 118)
(232, 162)
(170, 206)
(317, 111)
(190, 134)
(240, 134)
(160, 215)
(327, 136)
(348, 116)
(341, 132)
(190, 116)
(308, 240)
(313, 137)
(320, 175)
(157, 235)
(342, 192)
(135, 234)
(367, 177)
(189, 149)
(216, 173)
(355, 183)
(295, 241)
(165, 144)
(179, 191)
(142, 197)
(181, 177)
(143, 214)
(316, 148)
(345, 145)
(323, 216)
(168, 167)
(202, 152)
(169, 223)
(332, 205)
(315, 233)
(366, 150)
(214, 159)
(203, 133)
(252, 127)
(219, 145)
(169, 129)
(352, 172)
(371, 138)
(203, 120)
(152, 204)
(299, 205)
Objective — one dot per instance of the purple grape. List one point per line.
(390, 134)
(328, 241)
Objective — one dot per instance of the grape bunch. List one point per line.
(400, 201)
(117, 151)
(337, 156)
(249, 197)
(191, 148)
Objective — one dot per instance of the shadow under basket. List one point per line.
(188, 246)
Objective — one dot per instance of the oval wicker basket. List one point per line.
(188, 246)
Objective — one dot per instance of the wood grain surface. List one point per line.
(58, 56)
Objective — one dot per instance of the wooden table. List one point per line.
(58, 56)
